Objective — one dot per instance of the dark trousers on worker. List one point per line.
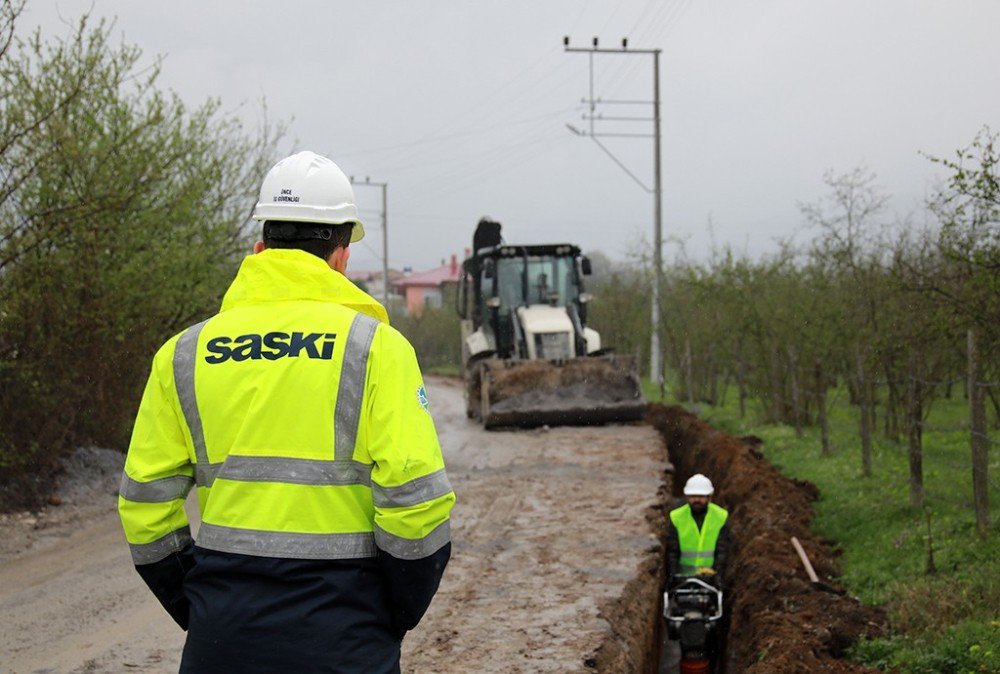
(258, 614)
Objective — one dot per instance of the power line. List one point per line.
(494, 111)
(451, 136)
(497, 91)
(668, 16)
(659, 4)
(610, 18)
(462, 153)
(615, 80)
(461, 177)
(584, 11)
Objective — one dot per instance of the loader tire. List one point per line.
(473, 385)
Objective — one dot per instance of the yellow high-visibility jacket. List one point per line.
(301, 417)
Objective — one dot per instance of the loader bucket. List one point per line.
(579, 391)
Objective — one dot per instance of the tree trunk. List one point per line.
(914, 433)
(865, 417)
(892, 409)
(689, 370)
(741, 374)
(977, 421)
(853, 395)
(824, 427)
(796, 401)
(777, 387)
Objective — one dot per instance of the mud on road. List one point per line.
(556, 549)
(555, 564)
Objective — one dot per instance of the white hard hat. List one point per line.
(308, 188)
(698, 485)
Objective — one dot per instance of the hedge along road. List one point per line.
(555, 562)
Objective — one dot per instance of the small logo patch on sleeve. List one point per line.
(422, 398)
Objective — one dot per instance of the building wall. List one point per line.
(417, 297)
(432, 297)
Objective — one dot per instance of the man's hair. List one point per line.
(317, 238)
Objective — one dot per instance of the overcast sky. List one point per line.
(462, 107)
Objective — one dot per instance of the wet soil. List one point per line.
(556, 560)
(556, 567)
(779, 622)
(577, 383)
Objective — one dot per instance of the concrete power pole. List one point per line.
(655, 366)
(385, 237)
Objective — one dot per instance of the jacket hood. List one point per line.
(278, 275)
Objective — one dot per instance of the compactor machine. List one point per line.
(693, 609)
(529, 358)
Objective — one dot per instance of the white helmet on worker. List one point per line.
(698, 485)
(308, 188)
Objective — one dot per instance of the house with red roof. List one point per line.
(427, 288)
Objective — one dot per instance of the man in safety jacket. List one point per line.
(301, 418)
(698, 536)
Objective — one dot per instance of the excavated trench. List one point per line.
(778, 621)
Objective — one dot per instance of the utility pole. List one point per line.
(385, 237)
(655, 367)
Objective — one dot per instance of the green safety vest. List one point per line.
(698, 546)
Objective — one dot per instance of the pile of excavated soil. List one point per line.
(779, 622)
(580, 382)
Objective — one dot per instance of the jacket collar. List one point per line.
(278, 275)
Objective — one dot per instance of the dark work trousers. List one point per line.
(259, 614)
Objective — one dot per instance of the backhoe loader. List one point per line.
(528, 356)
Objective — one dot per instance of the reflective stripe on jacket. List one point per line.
(698, 545)
(301, 417)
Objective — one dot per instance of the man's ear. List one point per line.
(258, 247)
(338, 259)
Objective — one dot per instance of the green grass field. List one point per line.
(945, 621)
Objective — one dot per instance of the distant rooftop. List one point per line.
(432, 278)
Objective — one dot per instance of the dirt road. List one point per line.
(554, 563)
(70, 600)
